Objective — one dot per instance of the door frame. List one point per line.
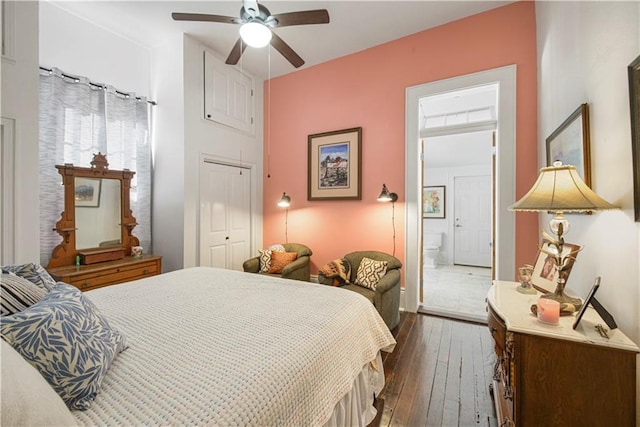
(255, 206)
(505, 173)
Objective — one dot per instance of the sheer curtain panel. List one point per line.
(78, 119)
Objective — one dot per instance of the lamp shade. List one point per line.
(559, 188)
(285, 201)
(255, 34)
(386, 196)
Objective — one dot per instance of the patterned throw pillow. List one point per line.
(68, 341)
(265, 260)
(280, 259)
(35, 273)
(17, 294)
(370, 272)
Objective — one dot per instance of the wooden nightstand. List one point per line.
(87, 277)
(553, 375)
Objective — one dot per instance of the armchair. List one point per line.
(300, 269)
(386, 297)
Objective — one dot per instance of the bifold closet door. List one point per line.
(225, 215)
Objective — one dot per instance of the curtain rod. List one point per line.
(101, 86)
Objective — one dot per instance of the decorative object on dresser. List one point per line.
(560, 189)
(553, 375)
(526, 287)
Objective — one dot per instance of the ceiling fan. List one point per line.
(256, 23)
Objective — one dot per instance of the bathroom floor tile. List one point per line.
(452, 289)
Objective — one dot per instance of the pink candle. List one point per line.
(548, 310)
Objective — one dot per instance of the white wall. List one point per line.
(584, 49)
(20, 103)
(213, 141)
(79, 47)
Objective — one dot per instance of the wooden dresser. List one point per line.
(552, 375)
(92, 276)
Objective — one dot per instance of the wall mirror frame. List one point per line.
(65, 253)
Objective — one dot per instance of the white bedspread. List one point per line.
(220, 347)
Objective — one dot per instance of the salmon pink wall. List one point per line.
(367, 89)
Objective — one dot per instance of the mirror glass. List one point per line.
(97, 212)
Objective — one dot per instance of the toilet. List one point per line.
(431, 249)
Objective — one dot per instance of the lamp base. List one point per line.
(568, 305)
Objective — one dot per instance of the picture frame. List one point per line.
(335, 165)
(87, 192)
(570, 143)
(434, 201)
(545, 276)
(634, 104)
(587, 301)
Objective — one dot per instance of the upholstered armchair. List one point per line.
(386, 297)
(299, 269)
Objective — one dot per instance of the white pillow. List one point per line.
(370, 272)
(27, 398)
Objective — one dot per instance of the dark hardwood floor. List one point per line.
(438, 374)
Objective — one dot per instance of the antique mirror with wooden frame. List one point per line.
(97, 223)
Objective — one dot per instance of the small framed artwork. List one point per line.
(433, 201)
(545, 274)
(588, 300)
(570, 143)
(335, 160)
(87, 192)
(634, 101)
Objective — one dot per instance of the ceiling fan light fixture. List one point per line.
(255, 34)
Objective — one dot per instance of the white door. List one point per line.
(225, 215)
(472, 216)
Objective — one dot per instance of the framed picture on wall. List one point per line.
(570, 143)
(334, 161)
(433, 201)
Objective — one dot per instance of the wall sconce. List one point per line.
(560, 189)
(386, 196)
(284, 202)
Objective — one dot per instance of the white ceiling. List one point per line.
(354, 25)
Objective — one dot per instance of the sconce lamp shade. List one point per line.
(255, 34)
(285, 201)
(559, 188)
(386, 196)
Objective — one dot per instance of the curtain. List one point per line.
(77, 120)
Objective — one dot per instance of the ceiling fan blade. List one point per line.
(204, 17)
(236, 52)
(320, 16)
(286, 51)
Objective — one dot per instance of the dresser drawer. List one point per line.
(87, 277)
(498, 329)
(115, 275)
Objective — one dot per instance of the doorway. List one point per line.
(504, 241)
(458, 130)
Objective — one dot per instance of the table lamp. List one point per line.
(560, 189)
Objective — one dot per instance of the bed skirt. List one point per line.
(356, 407)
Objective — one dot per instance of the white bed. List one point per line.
(220, 347)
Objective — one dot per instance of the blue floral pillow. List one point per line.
(68, 341)
(35, 273)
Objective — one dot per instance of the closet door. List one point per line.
(225, 215)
